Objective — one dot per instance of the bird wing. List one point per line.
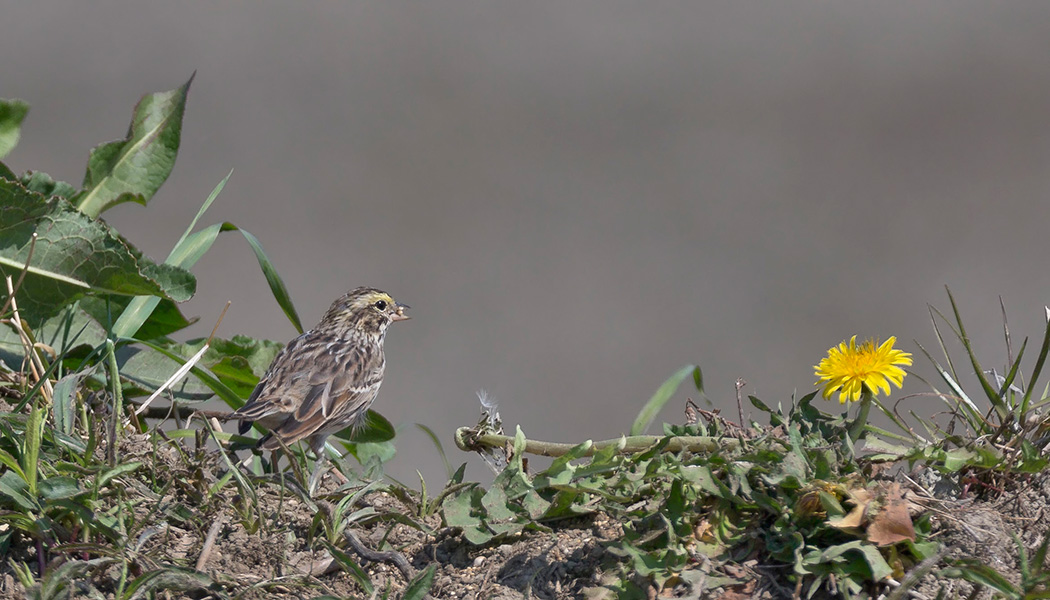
(314, 384)
(328, 407)
(282, 388)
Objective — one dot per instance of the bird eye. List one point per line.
(380, 304)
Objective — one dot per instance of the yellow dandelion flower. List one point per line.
(849, 369)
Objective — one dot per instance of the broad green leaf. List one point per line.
(869, 552)
(56, 488)
(41, 183)
(12, 112)
(464, 510)
(109, 312)
(15, 488)
(133, 169)
(659, 399)
(375, 429)
(73, 256)
(238, 363)
(368, 453)
(957, 458)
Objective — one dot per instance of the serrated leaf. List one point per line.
(133, 169)
(73, 256)
(12, 113)
(43, 184)
(464, 510)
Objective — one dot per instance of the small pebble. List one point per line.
(506, 549)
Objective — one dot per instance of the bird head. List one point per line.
(365, 309)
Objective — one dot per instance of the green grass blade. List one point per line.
(1043, 350)
(1004, 390)
(934, 313)
(976, 418)
(989, 391)
(186, 252)
(200, 213)
(63, 400)
(280, 293)
(437, 444)
(31, 454)
(420, 585)
(659, 399)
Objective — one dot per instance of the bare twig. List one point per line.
(21, 278)
(740, 383)
(36, 364)
(187, 366)
(209, 542)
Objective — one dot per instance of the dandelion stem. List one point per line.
(856, 429)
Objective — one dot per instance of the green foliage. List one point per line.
(133, 169)
(792, 494)
(92, 331)
(990, 435)
(12, 112)
(1035, 578)
(662, 395)
(73, 255)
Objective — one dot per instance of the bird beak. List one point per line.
(400, 314)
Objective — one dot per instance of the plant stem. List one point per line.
(118, 403)
(469, 441)
(856, 429)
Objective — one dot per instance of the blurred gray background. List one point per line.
(578, 198)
